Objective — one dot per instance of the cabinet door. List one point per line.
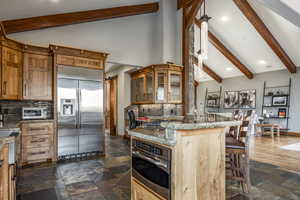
(12, 182)
(11, 73)
(4, 173)
(175, 87)
(138, 89)
(149, 85)
(161, 86)
(141, 193)
(37, 84)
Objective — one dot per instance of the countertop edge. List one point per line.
(192, 126)
(151, 138)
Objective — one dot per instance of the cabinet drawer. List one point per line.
(35, 154)
(36, 141)
(37, 128)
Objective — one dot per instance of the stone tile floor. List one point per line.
(109, 179)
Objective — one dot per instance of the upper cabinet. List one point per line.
(11, 70)
(157, 84)
(37, 74)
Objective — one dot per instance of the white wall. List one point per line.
(123, 94)
(272, 79)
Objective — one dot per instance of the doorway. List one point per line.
(111, 105)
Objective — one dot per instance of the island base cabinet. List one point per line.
(139, 192)
(12, 182)
(4, 174)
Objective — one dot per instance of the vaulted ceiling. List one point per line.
(15, 9)
(234, 30)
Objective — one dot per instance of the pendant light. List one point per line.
(204, 35)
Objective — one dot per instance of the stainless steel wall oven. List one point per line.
(151, 165)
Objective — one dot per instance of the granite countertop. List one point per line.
(198, 125)
(154, 135)
(11, 125)
(36, 120)
(166, 117)
(167, 134)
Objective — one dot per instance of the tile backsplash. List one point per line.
(160, 109)
(13, 109)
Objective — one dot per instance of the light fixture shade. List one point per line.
(204, 40)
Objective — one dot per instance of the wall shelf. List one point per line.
(268, 93)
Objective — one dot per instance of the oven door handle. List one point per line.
(151, 160)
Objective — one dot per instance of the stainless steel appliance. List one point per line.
(34, 113)
(80, 112)
(151, 165)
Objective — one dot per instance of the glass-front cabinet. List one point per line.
(161, 94)
(175, 87)
(157, 84)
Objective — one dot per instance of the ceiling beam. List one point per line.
(208, 71)
(183, 3)
(232, 58)
(262, 29)
(211, 73)
(35, 23)
(190, 17)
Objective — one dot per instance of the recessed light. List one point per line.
(225, 18)
(55, 1)
(262, 62)
(229, 68)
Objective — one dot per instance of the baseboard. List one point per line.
(297, 134)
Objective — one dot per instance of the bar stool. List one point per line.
(237, 158)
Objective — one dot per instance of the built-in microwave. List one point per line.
(34, 113)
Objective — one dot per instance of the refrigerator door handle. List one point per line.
(79, 106)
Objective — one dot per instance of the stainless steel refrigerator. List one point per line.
(80, 112)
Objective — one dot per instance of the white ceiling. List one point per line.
(14, 9)
(236, 32)
(240, 37)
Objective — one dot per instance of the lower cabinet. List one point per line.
(139, 192)
(4, 174)
(7, 176)
(12, 175)
(37, 142)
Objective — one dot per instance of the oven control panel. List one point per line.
(152, 148)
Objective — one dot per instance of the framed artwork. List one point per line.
(279, 100)
(231, 99)
(212, 103)
(247, 99)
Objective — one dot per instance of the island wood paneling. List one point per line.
(204, 176)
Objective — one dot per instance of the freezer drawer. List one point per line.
(67, 145)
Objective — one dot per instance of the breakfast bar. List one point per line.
(180, 160)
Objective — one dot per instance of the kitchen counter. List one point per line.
(167, 133)
(36, 120)
(11, 125)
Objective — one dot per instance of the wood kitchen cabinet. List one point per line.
(37, 74)
(4, 173)
(11, 70)
(37, 142)
(157, 84)
(140, 192)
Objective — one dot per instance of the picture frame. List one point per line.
(279, 100)
(212, 103)
(231, 99)
(247, 99)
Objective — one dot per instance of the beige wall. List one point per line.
(272, 78)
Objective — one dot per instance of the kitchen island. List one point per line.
(180, 160)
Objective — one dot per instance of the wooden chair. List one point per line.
(237, 156)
